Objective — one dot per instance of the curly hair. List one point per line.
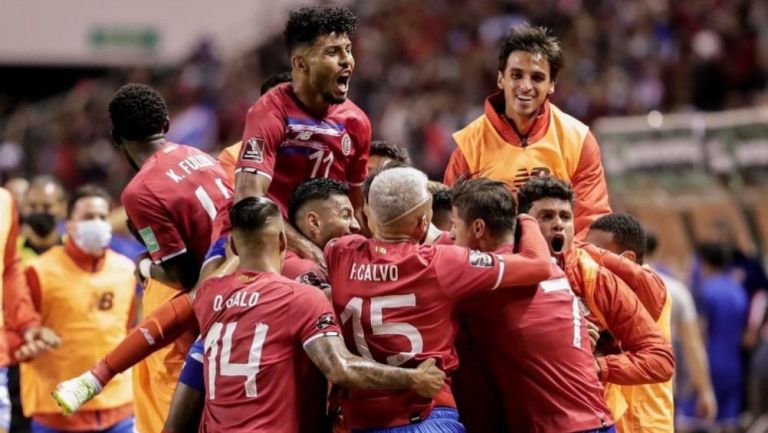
(137, 111)
(535, 40)
(627, 232)
(538, 188)
(319, 188)
(305, 25)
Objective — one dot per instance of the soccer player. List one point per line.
(307, 128)
(647, 355)
(522, 135)
(320, 209)
(395, 297)
(177, 201)
(91, 320)
(650, 406)
(260, 329)
(532, 339)
(384, 152)
(228, 157)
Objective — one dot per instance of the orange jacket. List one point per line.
(557, 145)
(648, 286)
(646, 355)
(18, 311)
(228, 160)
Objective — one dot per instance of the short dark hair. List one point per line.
(538, 188)
(87, 191)
(306, 24)
(535, 40)
(319, 188)
(715, 254)
(274, 80)
(627, 232)
(488, 200)
(137, 111)
(651, 242)
(441, 200)
(372, 175)
(251, 213)
(390, 150)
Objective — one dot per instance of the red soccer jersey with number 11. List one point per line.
(395, 301)
(178, 202)
(255, 326)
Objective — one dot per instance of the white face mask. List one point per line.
(92, 236)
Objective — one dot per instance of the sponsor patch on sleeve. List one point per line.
(480, 259)
(254, 150)
(150, 241)
(326, 320)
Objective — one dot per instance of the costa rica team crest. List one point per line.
(346, 144)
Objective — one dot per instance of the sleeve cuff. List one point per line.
(603, 364)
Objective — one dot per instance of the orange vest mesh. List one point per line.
(556, 153)
(90, 312)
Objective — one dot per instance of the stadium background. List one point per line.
(674, 91)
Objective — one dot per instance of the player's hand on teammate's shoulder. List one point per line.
(37, 339)
(307, 250)
(429, 380)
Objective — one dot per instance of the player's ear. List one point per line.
(551, 87)
(283, 241)
(629, 254)
(166, 125)
(313, 219)
(298, 62)
(478, 228)
(500, 79)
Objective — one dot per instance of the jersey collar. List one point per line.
(494, 111)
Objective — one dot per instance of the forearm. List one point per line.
(652, 364)
(533, 262)
(356, 372)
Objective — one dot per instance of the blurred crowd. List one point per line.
(423, 70)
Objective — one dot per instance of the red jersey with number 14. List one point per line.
(255, 326)
(395, 301)
(285, 143)
(178, 202)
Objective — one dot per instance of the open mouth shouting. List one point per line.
(342, 81)
(557, 243)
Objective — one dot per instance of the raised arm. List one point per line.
(646, 284)
(350, 371)
(531, 264)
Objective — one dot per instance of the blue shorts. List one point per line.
(728, 409)
(192, 372)
(611, 429)
(124, 426)
(440, 420)
(5, 401)
(217, 249)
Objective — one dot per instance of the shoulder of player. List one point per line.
(276, 99)
(294, 265)
(348, 241)
(352, 114)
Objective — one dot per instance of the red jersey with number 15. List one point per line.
(255, 326)
(395, 301)
(178, 202)
(288, 145)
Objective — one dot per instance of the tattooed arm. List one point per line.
(343, 368)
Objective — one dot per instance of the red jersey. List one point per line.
(395, 301)
(305, 271)
(255, 326)
(288, 145)
(540, 357)
(178, 202)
